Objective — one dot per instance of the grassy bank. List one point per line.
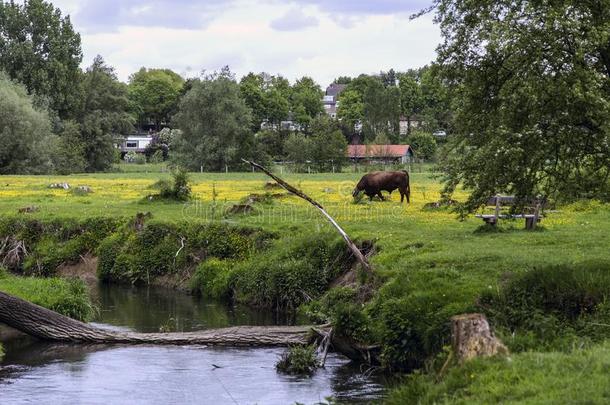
(68, 297)
(428, 265)
(578, 376)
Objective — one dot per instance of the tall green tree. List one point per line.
(39, 48)
(351, 108)
(328, 145)
(306, 101)
(155, 94)
(215, 123)
(251, 88)
(25, 132)
(104, 117)
(381, 109)
(411, 98)
(531, 84)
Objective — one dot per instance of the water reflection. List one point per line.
(45, 373)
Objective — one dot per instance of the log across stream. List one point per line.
(49, 325)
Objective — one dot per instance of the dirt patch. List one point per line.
(85, 269)
(178, 281)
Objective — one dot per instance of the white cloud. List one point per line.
(242, 37)
(294, 20)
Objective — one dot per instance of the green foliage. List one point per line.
(328, 145)
(178, 190)
(55, 242)
(24, 131)
(154, 94)
(68, 297)
(214, 120)
(213, 278)
(156, 157)
(531, 98)
(423, 144)
(39, 48)
(298, 360)
(552, 306)
(162, 248)
(293, 271)
(104, 115)
(68, 149)
(351, 108)
(305, 101)
(532, 378)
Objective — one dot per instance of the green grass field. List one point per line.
(429, 264)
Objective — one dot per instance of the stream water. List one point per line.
(48, 373)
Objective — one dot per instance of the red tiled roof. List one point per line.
(362, 151)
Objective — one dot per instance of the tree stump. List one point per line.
(472, 337)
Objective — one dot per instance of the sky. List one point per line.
(322, 39)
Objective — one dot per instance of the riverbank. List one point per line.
(428, 265)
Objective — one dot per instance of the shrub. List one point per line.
(213, 278)
(298, 360)
(178, 190)
(295, 270)
(551, 306)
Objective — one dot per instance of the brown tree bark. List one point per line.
(48, 325)
(472, 337)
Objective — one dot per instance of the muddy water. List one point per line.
(42, 373)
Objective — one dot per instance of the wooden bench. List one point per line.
(531, 219)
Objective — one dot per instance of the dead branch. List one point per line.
(352, 246)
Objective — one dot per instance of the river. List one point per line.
(35, 372)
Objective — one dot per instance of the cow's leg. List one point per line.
(380, 196)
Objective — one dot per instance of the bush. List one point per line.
(177, 190)
(162, 248)
(294, 271)
(298, 360)
(213, 278)
(133, 157)
(423, 144)
(552, 306)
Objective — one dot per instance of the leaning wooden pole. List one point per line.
(352, 246)
(49, 325)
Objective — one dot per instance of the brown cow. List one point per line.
(374, 182)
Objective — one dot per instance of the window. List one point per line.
(132, 144)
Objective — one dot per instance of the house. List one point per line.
(415, 122)
(134, 143)
(330, 99)
(380, 153)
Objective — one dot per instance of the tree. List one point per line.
(25, 132)
(251, 88)
(411, 98)
(215, 122)
(306, 101)
(298, 150)
(104, 116)
(381, 109)
(39, 48)
(351, 108)
(155, 93)
(531, 84)
(327, 144)
(423, 143)
(68, 150)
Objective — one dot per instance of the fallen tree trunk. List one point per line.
(352, 246)
(49, 325)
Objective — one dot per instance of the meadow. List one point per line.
(428, 264)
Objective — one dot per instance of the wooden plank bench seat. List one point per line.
(531, 220)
